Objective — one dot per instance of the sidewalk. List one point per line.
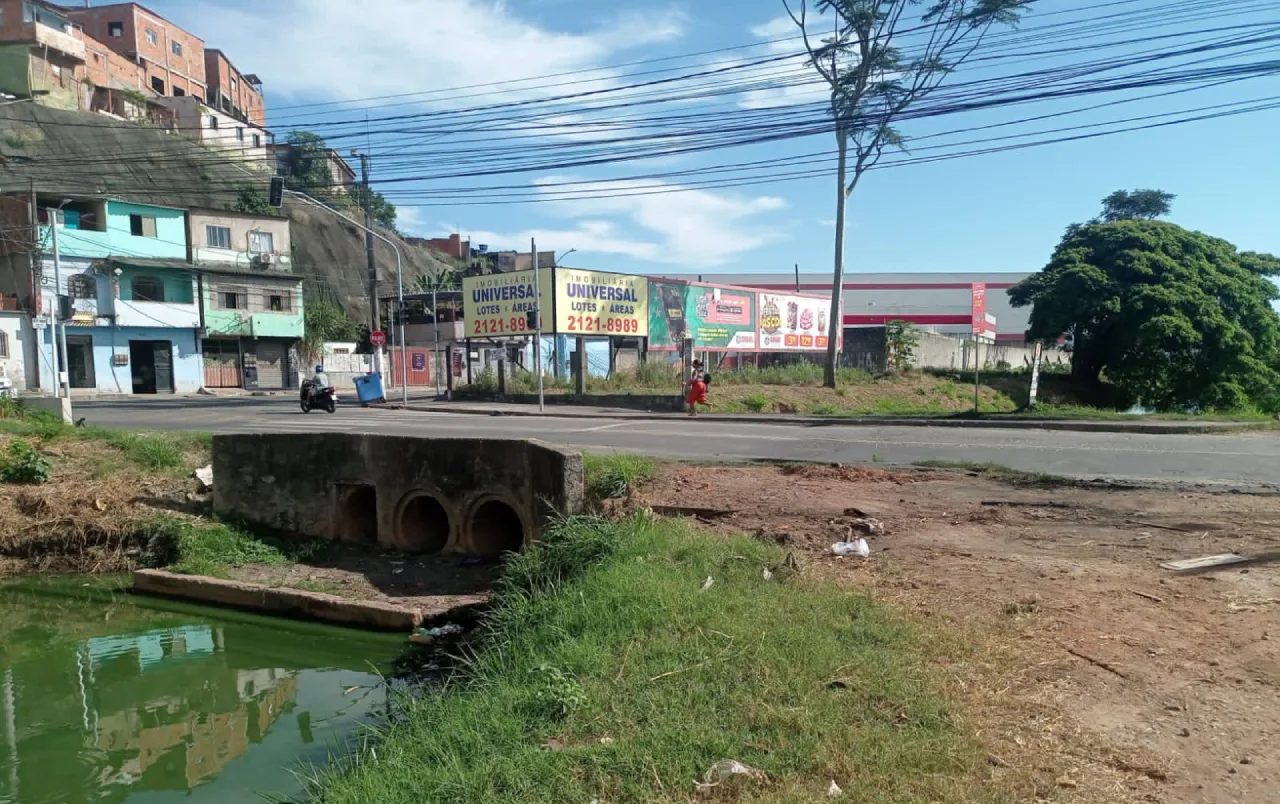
(561, 411)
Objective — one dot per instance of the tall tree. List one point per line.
(1173, 318)
(308, 163)
(382, 210)
(1139, 205)
(872, 82)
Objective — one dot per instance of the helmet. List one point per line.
(319, 369)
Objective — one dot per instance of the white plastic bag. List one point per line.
(858, 547)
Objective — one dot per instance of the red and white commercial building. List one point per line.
(934, 302)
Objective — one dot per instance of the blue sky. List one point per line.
(1000, 212)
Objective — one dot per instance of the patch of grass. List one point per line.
(614, 476)
(199, 547)
(996, 471)
(203, 547)
(757, 403)
(605, 631)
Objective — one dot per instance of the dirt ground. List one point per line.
(434, 584)
(1088, 671)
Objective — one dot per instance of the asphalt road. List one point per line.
(1250, 460)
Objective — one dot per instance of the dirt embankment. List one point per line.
(1091, 673)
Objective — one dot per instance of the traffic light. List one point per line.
(276, 198)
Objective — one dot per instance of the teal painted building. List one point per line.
(131, 329)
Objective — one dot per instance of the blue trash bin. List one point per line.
(369, 388)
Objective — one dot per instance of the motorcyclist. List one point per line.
(319, 381)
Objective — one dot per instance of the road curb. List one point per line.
(1189, 428)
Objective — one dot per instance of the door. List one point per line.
(152, 366)
(80, 361)
(163, 355)
(270, 364)
(221, 363)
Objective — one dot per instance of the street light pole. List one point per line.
(537, 315)
(404, 362)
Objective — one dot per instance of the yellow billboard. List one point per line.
(595, 303)
(497, 305)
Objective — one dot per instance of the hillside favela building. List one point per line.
(127, 61)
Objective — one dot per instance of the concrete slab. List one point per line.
(293, 603)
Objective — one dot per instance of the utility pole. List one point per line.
(537, 314)
(374, 322)
(797, 277)
(57, 325)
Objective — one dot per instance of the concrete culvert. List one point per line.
(357, 517)
(424, 525)
(496, 528)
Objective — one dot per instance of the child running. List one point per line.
(697, 388)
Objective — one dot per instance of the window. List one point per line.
(257, 141)
(233, 299)
(262, 242)
(157, 84)
(4, 344)
(151, 37)
(115, 30)
(142, 225)
(176, 47)
(239, 134)
(213, 122)
(81, 286)
(218, 236)
(278, 302)
(233, 84)
(178, 92)
(147, 289)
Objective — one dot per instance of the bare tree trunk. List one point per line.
(837, 275)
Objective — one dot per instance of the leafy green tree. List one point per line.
(1139, 205)
(252, 200)
(307, 163)
(872, 82)
(1173, 318)
(325, 321)
(382, 210)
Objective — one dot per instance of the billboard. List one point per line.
(598, 303)
(497, 305)
(718, 318)
(790, 323)
(984, 324)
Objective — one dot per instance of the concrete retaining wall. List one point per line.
(472, 496)
(57, 406)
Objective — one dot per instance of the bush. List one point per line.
(613, 477)
(757, 403)
(25, 464)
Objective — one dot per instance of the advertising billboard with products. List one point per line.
(792, 323)
(718, 318)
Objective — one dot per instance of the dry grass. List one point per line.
(91, 515)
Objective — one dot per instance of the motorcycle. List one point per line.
(325, 398)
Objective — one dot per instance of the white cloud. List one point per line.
(693, 227)
(344, 50)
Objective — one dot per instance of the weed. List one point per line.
(24, 464)
(613, 477)
(757, 403)
(824, 409)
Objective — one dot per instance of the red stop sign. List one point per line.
(377, 337)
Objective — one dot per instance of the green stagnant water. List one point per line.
(106, 697)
